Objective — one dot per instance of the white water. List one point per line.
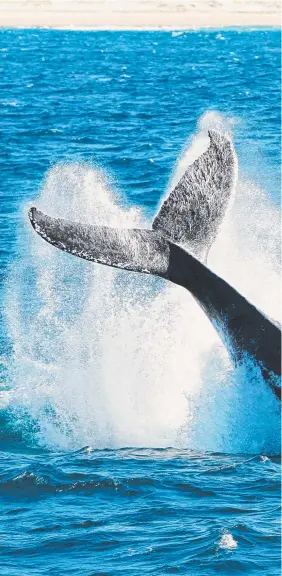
(109, 358)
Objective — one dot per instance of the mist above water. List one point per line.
(109, 358)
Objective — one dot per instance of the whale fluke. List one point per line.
(192, 213)
(244, 330)
(189, 218)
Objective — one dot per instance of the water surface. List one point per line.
(95, 361)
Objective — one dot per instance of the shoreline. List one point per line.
(76, 20)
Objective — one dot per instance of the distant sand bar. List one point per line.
(136, 14)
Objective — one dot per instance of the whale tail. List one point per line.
(190, 216)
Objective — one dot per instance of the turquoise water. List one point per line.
(128, 444)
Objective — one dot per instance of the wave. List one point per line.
(134, 473)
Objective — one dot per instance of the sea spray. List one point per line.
(107, 358)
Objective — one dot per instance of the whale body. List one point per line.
(176, 249)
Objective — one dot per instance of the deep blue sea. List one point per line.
(128, 443)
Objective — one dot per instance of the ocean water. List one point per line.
(128, 442)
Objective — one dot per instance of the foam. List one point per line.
(107, 358)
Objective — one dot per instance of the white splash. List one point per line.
(227, 542)
(108, 358)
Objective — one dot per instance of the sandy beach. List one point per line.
(136, 14)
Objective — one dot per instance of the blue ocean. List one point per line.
(129, 444)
